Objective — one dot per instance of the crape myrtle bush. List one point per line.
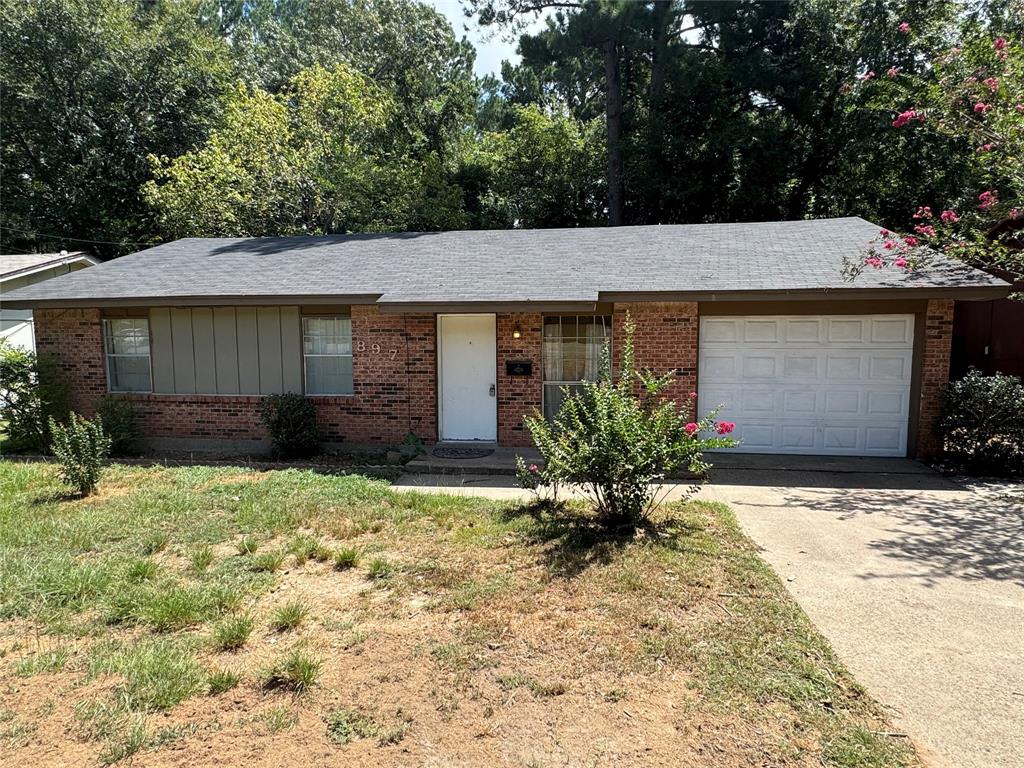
(120, 424)
(982, 423)
(617, 439)
(81, 447)
(291, 421)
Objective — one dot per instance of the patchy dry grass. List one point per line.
(293, 618)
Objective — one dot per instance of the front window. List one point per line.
(327, 355)
(127, 346)
(573, 349)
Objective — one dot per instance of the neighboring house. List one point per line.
(457, 335)
(19, 270)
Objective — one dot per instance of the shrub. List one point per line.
(120, 423)
(614, 439)
(982, 423)
(81, 447)
(33, 390)
(291, 421)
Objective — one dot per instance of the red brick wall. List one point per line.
(394, 371)
(938, 335)
(665, 341)
(75, 337)
(518, 396)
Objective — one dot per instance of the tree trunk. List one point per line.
(613, 109)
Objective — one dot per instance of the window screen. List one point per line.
(573, 349)
(127, 346)
(327, 355)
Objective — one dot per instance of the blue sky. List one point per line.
(491, 49)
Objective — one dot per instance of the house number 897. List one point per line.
(375, 349)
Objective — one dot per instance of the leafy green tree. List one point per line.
(321, 156)
(89, 88)
(542, 171)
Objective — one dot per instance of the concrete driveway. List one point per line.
(918, 583)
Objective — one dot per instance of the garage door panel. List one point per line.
(719, 329)
(810, 384)
(720, 366)
(800, 330)
(894, 330)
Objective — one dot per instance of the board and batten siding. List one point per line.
(226, 350)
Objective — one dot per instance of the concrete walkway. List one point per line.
(918, 583)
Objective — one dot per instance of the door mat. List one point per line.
(458, 452)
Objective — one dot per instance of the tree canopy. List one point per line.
(136, 122)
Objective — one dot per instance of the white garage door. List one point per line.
(831, 384)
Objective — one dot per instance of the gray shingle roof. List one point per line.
(549, 266)
(14, 264)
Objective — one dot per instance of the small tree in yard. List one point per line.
(616, 439)
(81, 447)
(32, 390)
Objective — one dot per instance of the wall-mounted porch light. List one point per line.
(516, 332)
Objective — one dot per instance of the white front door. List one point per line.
(467, 377)
(826, 384)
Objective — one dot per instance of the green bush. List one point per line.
(982, 423)
(120, 423)
(291, 421)
(614, 439)
(32, 391)
(81, 447)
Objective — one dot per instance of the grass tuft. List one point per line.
(201, 558)
(248, 545)
(346, 558)
(380, 569)
(288, 616)
(296, 672)
(232, 633)
(154, 542)
(268, 562)
(47, 661)
(221, 681)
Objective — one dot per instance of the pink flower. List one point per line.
(988, 199)
(724, 427)
(925, 229)
(883, 232)
(981, 107)
(904, 28)
(690, 428)
(1020, 107)
(992, 84)
(910, 240)
(999, 43)
(900, 262)
(892, 71)
(693, 395)
(1015, 213)
(905, 117)
(924, 212)
(534, 468)
(889, 245)
(868, 75)
(873, 261)
(985, 147)
(949, 216)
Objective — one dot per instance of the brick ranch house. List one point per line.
(454, 336)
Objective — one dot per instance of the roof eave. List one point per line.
(189, 301)
(961, 293)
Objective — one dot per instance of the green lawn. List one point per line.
(202, 616)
